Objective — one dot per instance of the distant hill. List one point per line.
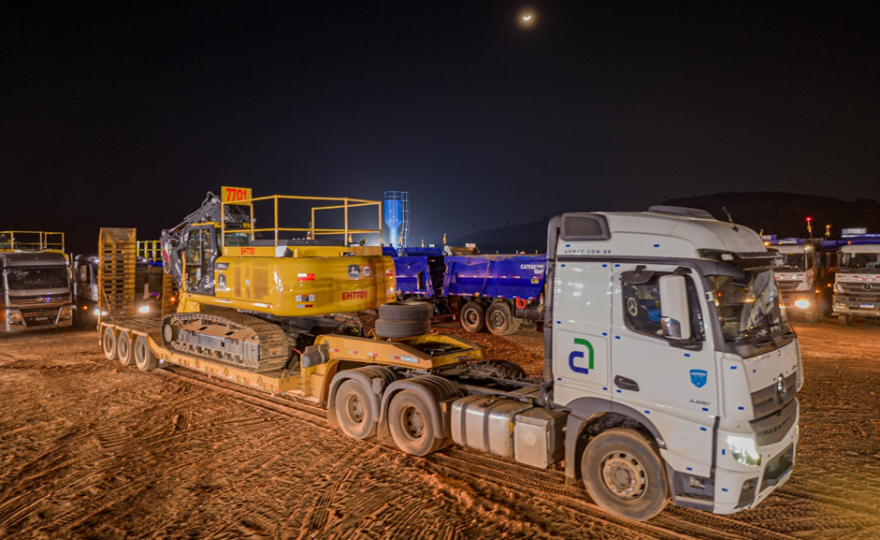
(785, 214)
(782, 214)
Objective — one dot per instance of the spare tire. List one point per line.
(402, 329)
(406, 311)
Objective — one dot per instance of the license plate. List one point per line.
(41, 318)
(865, 305)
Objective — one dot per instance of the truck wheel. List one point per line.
(108, 343)
(473, 317)
(529, 325)
(402, 329)
(624, 474)
(353, 410)
(143, 356)
(845, 320)
(500, 321)
(123, 349)
(406, 311)
(409, 420)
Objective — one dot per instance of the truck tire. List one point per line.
(353, 410)
(406, 311)
(108, 343)
(402, 329)
(409, 421)
(143, 356)
(473, 317)
(529, 325)
(500, 321)
(624, 474)
(845, 320)
(124, 349)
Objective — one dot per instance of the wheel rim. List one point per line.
(497, 319)
(108, 343)
(412, 423)
(354, 410)
(139, 353)
(471, 317)
(123, 347)
(624, 476)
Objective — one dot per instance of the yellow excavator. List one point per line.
(252, 297)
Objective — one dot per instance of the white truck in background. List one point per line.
(857, 281)
(670, 371)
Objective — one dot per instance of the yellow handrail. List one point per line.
(347, 203)
(9, 242)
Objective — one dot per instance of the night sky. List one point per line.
(127, 116)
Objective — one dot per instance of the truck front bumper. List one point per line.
(739, 487)
(13, 321)
(867, 306)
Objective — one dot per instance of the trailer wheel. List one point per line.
(409, 420)
(624, 475)
(845, 320)
(500, 320)
(108, 343)
(143, 356)
(473, 317)
(124, 349)
(353, 410)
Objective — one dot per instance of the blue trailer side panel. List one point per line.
(495, 276)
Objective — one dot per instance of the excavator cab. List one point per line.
(199, 258)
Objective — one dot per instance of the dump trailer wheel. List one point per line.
(409, 420)
(402, 329)
(124, 349)
(529, 325)
(406, 311)
(500, 321)
(108, 343)
(624, 474)
(845, 320)
(353, 410)
(143, 356)
(473, 317)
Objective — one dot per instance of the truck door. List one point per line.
(674, 381)
(201, 252)
(581, 330)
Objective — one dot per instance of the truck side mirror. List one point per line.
(674, 310)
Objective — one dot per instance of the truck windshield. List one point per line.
(796, 261)
(36, 277)
(747, 308)
(859, 262)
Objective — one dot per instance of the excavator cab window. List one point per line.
(201, 251)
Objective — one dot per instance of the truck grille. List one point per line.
(765, 400)
(859, 288)
(787, 286)
(774, 428)
(39, 317)
(38, 300)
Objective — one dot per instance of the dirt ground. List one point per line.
(91, 449)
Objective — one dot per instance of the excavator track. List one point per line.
(229, 337)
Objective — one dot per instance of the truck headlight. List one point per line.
(65, 312)
(743, 450)
(144, 309)
(802, 303)
(14, 315)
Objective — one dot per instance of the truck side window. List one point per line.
(642, 306)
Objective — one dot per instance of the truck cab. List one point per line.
(801, 278)
(669, 322)
(35, 289)
(857, 281)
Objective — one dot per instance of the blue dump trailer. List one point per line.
(501, 293)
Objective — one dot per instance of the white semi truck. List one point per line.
(670, 371)
(801, 278)
(857, 281)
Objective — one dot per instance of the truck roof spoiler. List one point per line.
(576, 227)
